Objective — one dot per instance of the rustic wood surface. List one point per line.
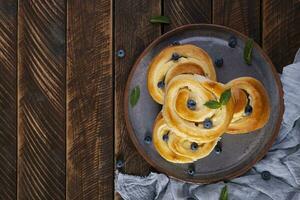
(8, 98)
(243, 16)
(62, 84)
(281, 30)
(132, 36)
(183, 12)
(41, 99)
(89, 100)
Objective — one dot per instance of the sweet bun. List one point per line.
(191, 123)
(175, 60)
(175, 148)
(251, 102)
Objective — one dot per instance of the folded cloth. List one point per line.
(282, 161)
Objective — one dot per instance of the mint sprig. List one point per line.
(224, 98)
(224, 193)
(134, 96)
(248, 51)
(160, 20)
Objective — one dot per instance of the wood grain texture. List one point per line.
(243, 16)
(41, 96)
(281, 32)
(8, 102)
(90, 150)
(183, 12)
(132, 33)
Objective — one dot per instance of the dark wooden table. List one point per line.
(61, 83)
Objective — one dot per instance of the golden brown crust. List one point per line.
(193, 60)
(240, 102)
(258, 100)
(177, 149)
(189, 123)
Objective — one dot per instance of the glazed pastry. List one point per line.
(183, 79)
(175, 148)
(185, 113)
(175, 60)
(251, 105)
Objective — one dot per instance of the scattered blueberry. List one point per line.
(232, 41)
(191, 104)
(190, 198)
(218, 148)
(148, 139)
(175, 56)
(248, 110)
(191, 170)
(207, 123)
(175, 43)
(266, 175)
(119, 164)
(161, 84)
(121, 53)
(219, 62)
(194, 146)
(166, 137)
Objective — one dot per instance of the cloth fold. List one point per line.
(282, 161)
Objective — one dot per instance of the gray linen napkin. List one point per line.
(282, 161)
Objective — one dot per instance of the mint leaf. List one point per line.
(212, 104)
(224, 193)
(248, 51)
(225, 96)
(134, 96)
(160, 19)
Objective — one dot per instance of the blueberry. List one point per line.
(266, 175)
(119, 164)
(175, 56)
(194, 146)
(175, 43)
(190, 198)
(148, 139)
(166, 137)
(248, 110)
(121, 53)
(191, 104)
(161, 84)
(191, 170)
(218, 148)
(219, 62)
(232, 41)
(207, 123)
(197, 124)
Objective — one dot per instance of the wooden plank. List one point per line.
(133, 32)
(8, 102)
(41, 96)
(89, 100)
(243, 16)
(187, 12)
(281, 32)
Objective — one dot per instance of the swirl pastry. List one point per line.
(184, 109)
(251, 105)
(175, 148)
(175, 60)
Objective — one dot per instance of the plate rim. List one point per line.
(253, 161)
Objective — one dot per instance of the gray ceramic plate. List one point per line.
(239, 152)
